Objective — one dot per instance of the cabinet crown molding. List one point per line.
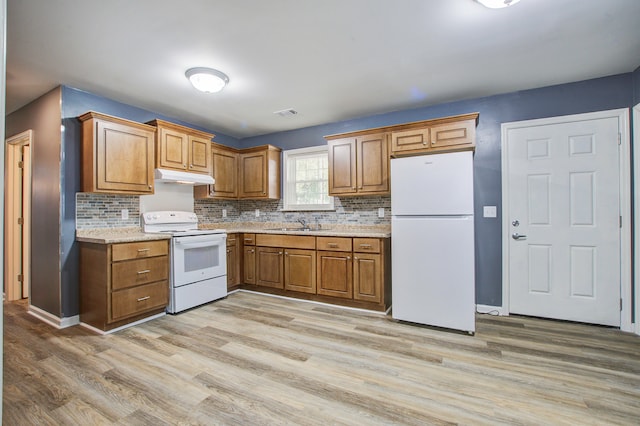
(407, 126)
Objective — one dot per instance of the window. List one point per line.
(306, 179)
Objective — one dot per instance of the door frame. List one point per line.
(12, 145)
(636, 198)
(625, 203)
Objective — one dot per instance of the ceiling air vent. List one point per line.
(286, 112)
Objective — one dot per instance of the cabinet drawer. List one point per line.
(139, 271)
(333, 243)
(249, 239)
(366, 245)
(136, 300)
(232, 240)
(137, 250)
(288, 241)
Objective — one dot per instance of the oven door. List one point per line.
(198, 257)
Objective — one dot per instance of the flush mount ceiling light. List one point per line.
(207, 80)
(497, 4)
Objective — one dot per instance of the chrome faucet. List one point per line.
(304, 223)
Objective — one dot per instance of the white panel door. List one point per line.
(564, 221)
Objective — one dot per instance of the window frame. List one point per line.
(286, 192)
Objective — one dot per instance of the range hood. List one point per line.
(166, 175)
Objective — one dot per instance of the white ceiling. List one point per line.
(330, 60)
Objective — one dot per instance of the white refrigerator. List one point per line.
(432, 240)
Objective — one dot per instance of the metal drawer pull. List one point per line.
(365, 245)
(144, 249)
(332, 245)
(248, 240)
(141, 299)
(146, 271)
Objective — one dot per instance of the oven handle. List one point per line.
(189, 242)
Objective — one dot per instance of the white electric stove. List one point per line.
(198, 258)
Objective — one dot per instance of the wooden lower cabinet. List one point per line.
(342, 270)
(367, 277)
(122, 283)
(269, 267)
(233, 261)
(335, 274)
(300, 270)
(249, 258)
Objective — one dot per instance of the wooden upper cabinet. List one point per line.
(410, 140)
(342, 166)
(455, 133)
(117, 155)
(259, 173)
(224, 169)
(182, 148)
(372, 164)
(359, 165)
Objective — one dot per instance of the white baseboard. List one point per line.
(131, 324)
(491, 310)
(53, 320)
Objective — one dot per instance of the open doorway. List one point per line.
(17, 216)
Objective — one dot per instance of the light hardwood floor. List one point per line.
(251, 359)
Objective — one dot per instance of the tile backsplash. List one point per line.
(104, 211)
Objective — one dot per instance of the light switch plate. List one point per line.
(381, 212)
(224, 212)
(124, 213)
(257, 212)
(490, 211)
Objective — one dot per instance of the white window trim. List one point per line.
(285, 173)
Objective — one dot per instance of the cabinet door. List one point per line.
(334, 274)
(172, 149)
(372, 163)
(249, 265)
(123, 159)
(451, 135)
(367, 277)
(253, 175)
(233, 267)
(410, 140)
(342, 166)
(199, 155)
(225, 172)
(300, 270)
(269, 268)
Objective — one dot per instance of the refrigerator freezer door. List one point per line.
(433, 273)
(438, 184)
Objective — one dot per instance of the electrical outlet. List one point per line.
(257, 212)
(224, 212)
(124, 214)
(381, 212)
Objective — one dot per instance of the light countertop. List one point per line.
(124, 235)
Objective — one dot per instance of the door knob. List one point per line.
(517, 236)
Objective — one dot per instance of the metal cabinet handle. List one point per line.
(146, 271)
(279, 253)
(141, 299)
(143, 250)
(348, 257)
(365, 246)
(354, 258)
(517, 236)
(332, 245)
(286, 253)
(253, 251)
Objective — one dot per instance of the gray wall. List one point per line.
(573, 98)
(636, 86)
(43, 117)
